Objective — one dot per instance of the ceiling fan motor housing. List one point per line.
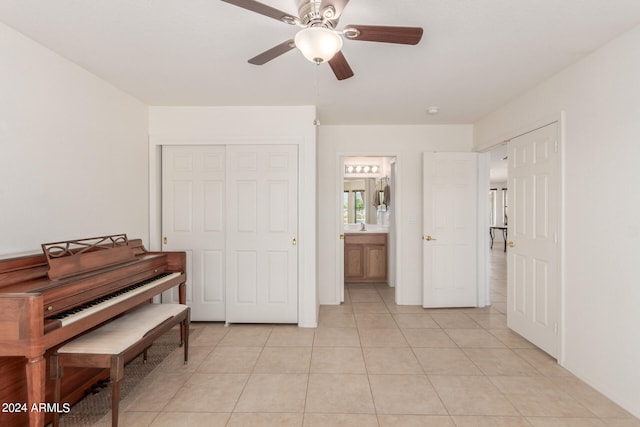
(313, 15)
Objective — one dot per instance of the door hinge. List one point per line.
(164, 240)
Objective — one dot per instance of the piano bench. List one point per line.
(115, 343)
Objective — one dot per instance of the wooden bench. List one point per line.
(117, 342)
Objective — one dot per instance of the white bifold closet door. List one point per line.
(193, 220)
(233, 209)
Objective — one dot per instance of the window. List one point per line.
(358, 206)
(493, 206)
(353, 207)
(504, 205)
(345, 207)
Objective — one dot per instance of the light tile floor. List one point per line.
(370, 362)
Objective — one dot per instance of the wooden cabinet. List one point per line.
(365, 257)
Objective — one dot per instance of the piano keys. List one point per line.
(88, 309)
(47, 299)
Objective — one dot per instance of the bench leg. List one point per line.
(184, 332)
(117, 372)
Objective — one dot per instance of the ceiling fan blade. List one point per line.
(377, 33)
(263, 9)
(272, 53)
(338, 6)
(340, 66)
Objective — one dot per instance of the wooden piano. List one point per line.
(49, 298)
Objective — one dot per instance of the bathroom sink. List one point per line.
(368, 228)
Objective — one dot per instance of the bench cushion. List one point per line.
(118, 335)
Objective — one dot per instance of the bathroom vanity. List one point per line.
(365, 257)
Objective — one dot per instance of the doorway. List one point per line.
(531, 212)
(498, 217)
(367, 207)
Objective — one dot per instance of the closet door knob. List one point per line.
(294, 241)
(429, 238)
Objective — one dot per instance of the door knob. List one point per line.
(510, 244)
(294, 241)
(429, 238)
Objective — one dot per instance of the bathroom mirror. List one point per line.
(362, 199)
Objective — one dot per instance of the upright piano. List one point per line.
(66, 290)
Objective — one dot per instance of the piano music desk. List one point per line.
(116, 342)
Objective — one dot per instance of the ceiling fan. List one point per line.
(319, 40)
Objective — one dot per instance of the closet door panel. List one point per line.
(262, 205)
(193, 220)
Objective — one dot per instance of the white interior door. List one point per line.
(193, 220)
(533, 224)
(450, 276)
(262, 223)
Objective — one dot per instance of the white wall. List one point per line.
(406, 143)
(73, 151)
(247, 125)
(600, 98)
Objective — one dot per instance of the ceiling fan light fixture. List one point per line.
(318, 44)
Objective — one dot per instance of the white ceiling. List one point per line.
(475, 55)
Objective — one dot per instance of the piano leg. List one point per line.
(35, 370)
(56, 375)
